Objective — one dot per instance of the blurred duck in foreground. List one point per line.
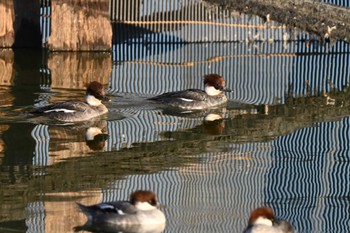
(195, 99)
(75, 110)
(140, 214)
(262, 220)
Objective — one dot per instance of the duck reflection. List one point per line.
(74, 140)
(216, 125)
(122, 229)
(213, 120)
(95, 138)
(213, 124)
(193, 113)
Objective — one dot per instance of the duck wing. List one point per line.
(189, 95)
(63, 107)
(120, 208)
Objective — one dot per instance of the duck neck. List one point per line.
(210, 90)
(92, 100)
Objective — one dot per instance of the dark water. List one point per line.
(282, 140)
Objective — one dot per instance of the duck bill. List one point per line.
(226, 90)
(105, 99)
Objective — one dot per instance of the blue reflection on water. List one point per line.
(302, 175)
(261, 75)
(310, 178)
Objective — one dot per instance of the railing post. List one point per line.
(80, 25)
(20, 23)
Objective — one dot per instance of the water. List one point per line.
(283, 140)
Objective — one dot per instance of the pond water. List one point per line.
(282, 140)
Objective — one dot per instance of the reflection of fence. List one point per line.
(45, 20)
(258, 73)
(287, 169)
(326, 147)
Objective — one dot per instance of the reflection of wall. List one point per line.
(2, 143)
(6, 100)
(6, 67)
(75, 70)
(58, 216)
(67, 144)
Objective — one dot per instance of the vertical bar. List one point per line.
(180, 25)
(190, 26)
(110, 10)
(132, 9)
(167, 11)
(186, 11)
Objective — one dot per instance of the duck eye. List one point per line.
(218, 87)
(153, 202)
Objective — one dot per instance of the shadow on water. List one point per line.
(21, 92)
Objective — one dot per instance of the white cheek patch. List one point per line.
(144, 206)
(60, 110)
(263, 221)
(210, 90)
(90, 99)
(187, 100)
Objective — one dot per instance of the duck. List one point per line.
(140, 212)
(76, 110)
(262, 220)
(196, 99)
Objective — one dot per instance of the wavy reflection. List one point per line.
(122, 229)
(68, 141)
